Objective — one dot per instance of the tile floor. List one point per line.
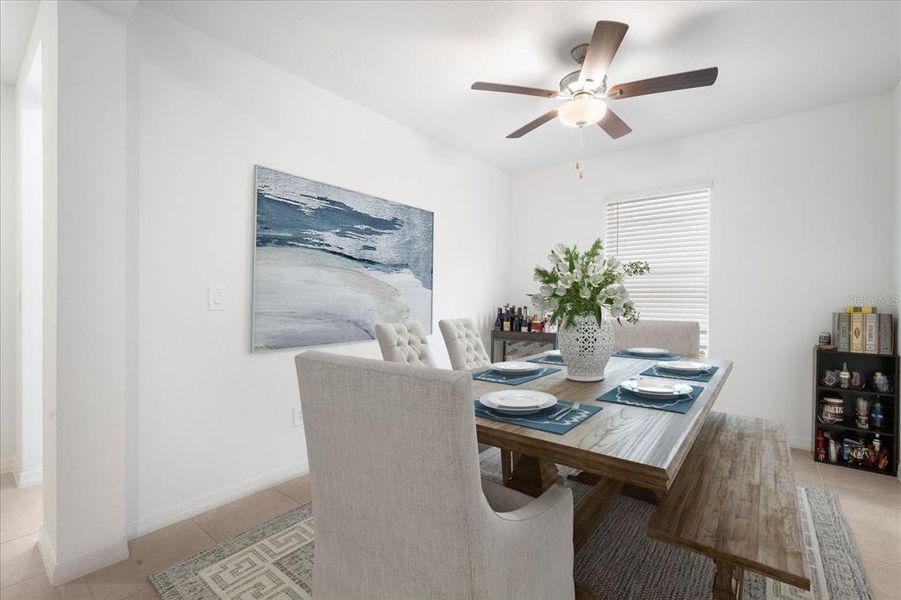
(871, 503)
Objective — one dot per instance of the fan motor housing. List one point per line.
(578, 54)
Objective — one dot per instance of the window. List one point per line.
(671, 232)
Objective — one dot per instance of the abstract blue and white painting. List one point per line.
(330, 263)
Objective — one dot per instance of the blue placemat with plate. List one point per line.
(512, 378)
(656, 371)
(548, 359)
(676, 405)
(627, 354)
(541, 420)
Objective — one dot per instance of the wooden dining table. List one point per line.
(619, 449)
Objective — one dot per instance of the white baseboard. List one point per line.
(8, 465)
(59, 574)
(802, 443)
(28, 478)
(190, 508)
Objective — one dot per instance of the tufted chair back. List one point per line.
(464, 345)
(404, 343)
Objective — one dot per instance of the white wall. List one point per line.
(90, 395)
(29, 283)
(802, 217)
(211, 420)
(7, 275)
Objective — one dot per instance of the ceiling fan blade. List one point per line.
(514, 89)
(666, 83)
(613, 125)
(605, 41)
(548, 116)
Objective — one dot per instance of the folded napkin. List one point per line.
(512, 378)
(548, 359)
(541, 420)
(627, 354)
(677, 405)
(658, 372)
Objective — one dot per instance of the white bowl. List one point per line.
(656, 390)
(518, 402)
(513, 366)
(683, 366)
(647, 351)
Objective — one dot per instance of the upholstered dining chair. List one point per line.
(464, 344)
(404, 342)
(681, 337)
(400, 508)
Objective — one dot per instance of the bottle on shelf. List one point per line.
(499, 321)
(877, 416)
(524, 324)
(844, 377)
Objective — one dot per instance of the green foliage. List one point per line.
(586, 283)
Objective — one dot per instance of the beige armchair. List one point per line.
(404, 343)
(400, 509)
(681, 337)
(464, 344)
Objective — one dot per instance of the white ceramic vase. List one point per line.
(586, 347)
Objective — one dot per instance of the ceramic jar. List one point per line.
(586, 347)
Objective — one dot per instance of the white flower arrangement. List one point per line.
(586, 283)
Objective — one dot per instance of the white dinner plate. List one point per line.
(513, 366)
(648, 351)
(688, 367)
(518, 402)
(656, 390)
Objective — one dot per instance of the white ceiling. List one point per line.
(16, 19)
(414, 61)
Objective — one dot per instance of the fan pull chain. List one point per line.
(579, 150)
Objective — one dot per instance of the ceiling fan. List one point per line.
(586, 89)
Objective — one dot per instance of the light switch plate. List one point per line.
(216, 297)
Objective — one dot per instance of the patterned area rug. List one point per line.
(274, 561)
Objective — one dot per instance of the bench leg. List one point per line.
(727, 585)
(593, 510)
(583, 592)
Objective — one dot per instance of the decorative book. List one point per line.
(841, 337)
(870, 333)
(857, 332)
(885, 336)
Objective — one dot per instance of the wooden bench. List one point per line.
(734, 500)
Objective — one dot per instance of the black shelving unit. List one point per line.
(866, 365)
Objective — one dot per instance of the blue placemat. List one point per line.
(552, 359)
(511, 378)
(541, 420)
(627, 354)
(657, 372)
(679, 405)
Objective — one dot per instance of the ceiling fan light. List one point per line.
(582, 110)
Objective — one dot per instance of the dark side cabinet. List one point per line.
(848, 428)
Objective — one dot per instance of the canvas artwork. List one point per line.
(330, 263)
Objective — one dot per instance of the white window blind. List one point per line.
(672, 233)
